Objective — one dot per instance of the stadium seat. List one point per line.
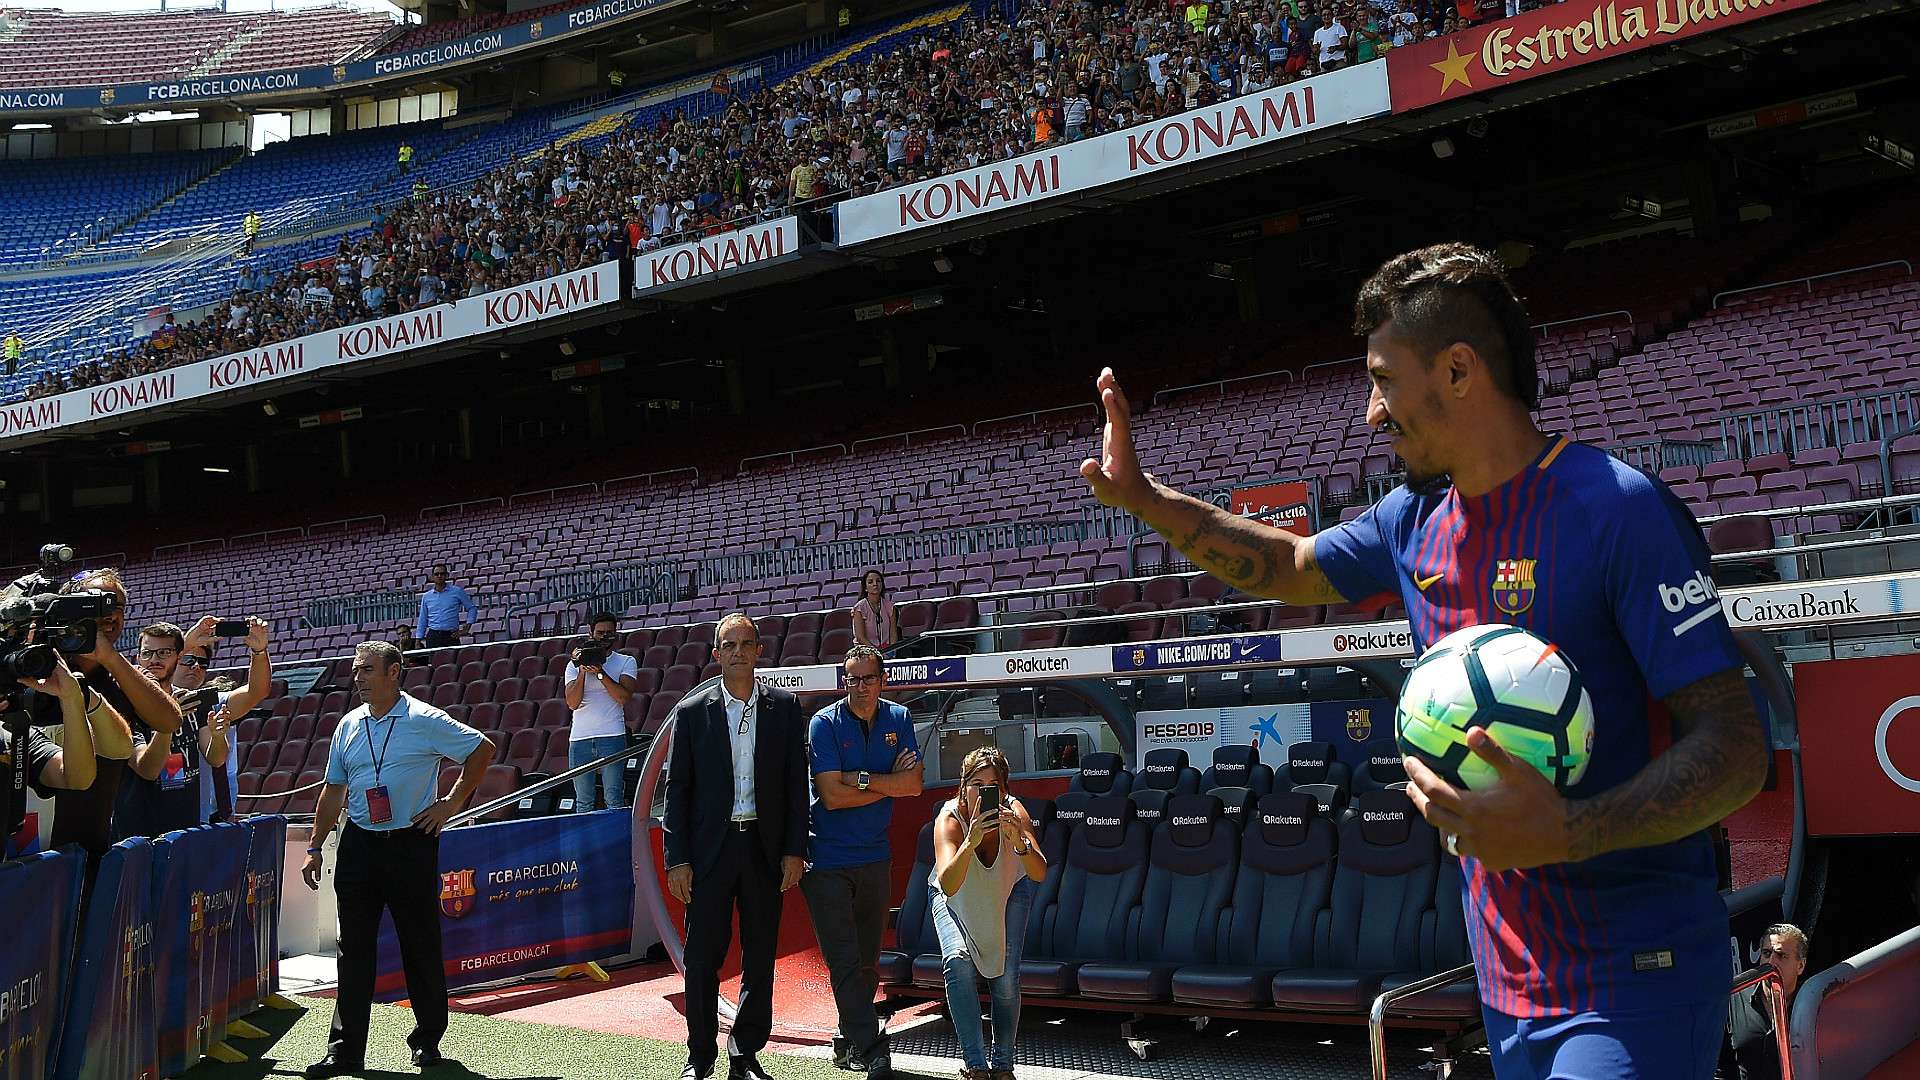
(1100, 886)
(1166, 769)
(1443, 946)
(1103, 773)
(554, 714)
(1190, 878)
(1312, 763)
(304, 802)
(913, 933)
(1149, 805)
(1383, 884)
(525, 749)
(1384, 768)
(497, 782)
(1280, 896)
(1238, 766)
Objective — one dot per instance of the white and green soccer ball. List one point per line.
(1525, 692)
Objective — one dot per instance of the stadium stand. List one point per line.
(56, 48)
(422, 35)
(66, 203)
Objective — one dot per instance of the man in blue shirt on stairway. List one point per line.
(863, 756)
(441, 608)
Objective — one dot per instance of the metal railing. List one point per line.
(1810, 279)
(793, 456)
(1787, 429)
(1653, 455)
(1377, 1015)
(1222, 384)
(474, 813)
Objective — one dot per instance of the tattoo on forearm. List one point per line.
(1709, 772)
(1234, 554)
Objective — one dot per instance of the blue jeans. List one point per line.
(613, 777)
(963, 980)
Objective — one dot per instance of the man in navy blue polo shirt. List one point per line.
(863, 757)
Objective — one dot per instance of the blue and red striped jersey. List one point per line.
(1602, 560)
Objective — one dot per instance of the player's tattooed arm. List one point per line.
(1717, 762)
(1251, 556)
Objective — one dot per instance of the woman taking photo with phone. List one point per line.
(986, 864)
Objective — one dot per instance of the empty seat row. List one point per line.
(1180, 902)
(1310, 766)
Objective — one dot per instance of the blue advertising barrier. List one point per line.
(593, 16)
(41, 899)
(256, 917)
(518, 897)
(1350, 725)
(198, 881)
(111, 1019)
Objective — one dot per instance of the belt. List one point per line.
(744, 824)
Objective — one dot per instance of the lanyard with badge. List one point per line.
(379, 803)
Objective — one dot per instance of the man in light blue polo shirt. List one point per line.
(384, 765)
(863, 756)
(441, 611)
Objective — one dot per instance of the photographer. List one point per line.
(39, 761)
(599, 683)
(191, 780)
(85, 817)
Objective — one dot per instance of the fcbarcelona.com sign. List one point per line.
(1337, 98)
(327, 77)
(1556, 38)
(472, 317)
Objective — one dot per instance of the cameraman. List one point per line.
(85, 817)
(599, 684)
(177, 782)
(40, 762)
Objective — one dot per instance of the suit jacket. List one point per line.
(700, 778)
(1749, 1052)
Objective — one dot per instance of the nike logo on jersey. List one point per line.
(1422, 583)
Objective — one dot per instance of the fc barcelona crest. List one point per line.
(106, 96)
(1139, 658)
(1360, 724)
(1513, 585)
(893, 738)
(339, 73)
(456, 893)
(539, 27)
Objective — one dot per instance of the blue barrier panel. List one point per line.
(110, 1014)
(524, 896)
(256, 918)
(197, 882)
(40, 897)
(1349, 725)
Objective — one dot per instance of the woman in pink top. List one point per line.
(873, 621)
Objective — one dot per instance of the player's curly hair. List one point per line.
(1447, 293)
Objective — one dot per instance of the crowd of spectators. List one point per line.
(973, 91)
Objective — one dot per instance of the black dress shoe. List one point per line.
(696, 1072)
(426, 1057)
(746, 1067)
(332, 1066)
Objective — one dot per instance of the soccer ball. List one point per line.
(1525, 692)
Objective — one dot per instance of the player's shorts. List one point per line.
(1673, 1043)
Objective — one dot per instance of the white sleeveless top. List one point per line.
(980, 907)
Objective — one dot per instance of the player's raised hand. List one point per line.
(1518, 823)
(1115, 476)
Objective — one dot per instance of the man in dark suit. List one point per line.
(1751, 1052)
(736, 832)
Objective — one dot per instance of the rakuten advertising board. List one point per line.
(471, 317)
(1336, 98)
(712, 255)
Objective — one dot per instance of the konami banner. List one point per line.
(1339, 97)
(712, 255)
(1556, 38)
(470, 317)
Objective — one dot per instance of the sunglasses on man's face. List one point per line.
(193, 661)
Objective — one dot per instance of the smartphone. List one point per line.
(231, 628)
(989, 799)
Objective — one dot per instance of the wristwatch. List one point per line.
(865, 779)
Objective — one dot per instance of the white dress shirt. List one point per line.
(743, 744)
